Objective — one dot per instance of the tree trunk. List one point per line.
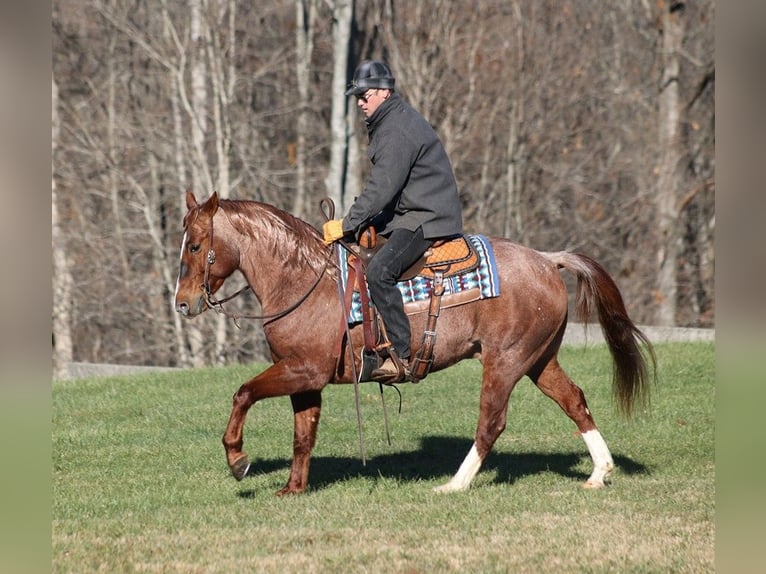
(667, 177)
(343, 14)
(222, 80)
(177, 191)
(513, 222)
(114, 186)
(201, 180)
(305, 15)
(62, 277)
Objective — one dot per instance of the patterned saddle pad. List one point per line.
(479, 283)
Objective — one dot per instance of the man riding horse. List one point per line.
(411, 198)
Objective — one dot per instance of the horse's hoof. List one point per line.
(240, 467)
(593, 484)
(448, 487)
(288, 490)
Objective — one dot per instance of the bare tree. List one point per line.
(220, 54)
(305, 17)
(671, 28)
(62, 277)
(339, 118)
(513, 224)
(176, 150)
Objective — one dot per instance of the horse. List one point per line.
(285, 262)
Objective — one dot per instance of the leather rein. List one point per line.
(217, 304)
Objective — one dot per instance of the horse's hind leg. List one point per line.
(556, 384)
(495, 391)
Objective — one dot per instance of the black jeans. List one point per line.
(402, 250)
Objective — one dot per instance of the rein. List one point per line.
(328, 210)
(327, 207)
(217, 304)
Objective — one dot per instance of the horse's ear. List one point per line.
(211, 205)
(191, 201)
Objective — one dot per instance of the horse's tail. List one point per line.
(596, 290)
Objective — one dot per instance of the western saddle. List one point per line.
(445, 259)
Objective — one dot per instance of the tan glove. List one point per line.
(333, 230)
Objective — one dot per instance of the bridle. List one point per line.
(217, 304)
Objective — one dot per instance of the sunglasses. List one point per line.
(365, 97)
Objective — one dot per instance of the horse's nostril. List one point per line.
(182, 308)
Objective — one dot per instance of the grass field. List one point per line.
(140, 482)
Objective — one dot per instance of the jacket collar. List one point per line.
(383, 110)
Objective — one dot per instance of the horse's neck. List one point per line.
(270, 256)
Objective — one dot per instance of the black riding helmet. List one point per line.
(371, 74)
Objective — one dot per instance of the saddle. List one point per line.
(451, 256)
(444, 259)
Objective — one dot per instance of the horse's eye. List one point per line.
(193, 248)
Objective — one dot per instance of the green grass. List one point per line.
(140, 482)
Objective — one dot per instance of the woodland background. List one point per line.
(571, 124)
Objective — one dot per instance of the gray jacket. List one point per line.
(411, 184)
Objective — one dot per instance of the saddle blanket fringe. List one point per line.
(483, 280)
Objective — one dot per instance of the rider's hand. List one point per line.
(333, 230)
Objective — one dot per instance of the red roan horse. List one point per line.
(518, 333)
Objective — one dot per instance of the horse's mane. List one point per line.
(276, 230)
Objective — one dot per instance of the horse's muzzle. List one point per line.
(189, 309)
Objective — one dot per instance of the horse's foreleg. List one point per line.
(557, 385)
(307, 408)
(278, 380)
(232, 438)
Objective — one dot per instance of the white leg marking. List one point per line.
(602, 459)
(465, 474)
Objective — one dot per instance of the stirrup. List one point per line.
(391, 377)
